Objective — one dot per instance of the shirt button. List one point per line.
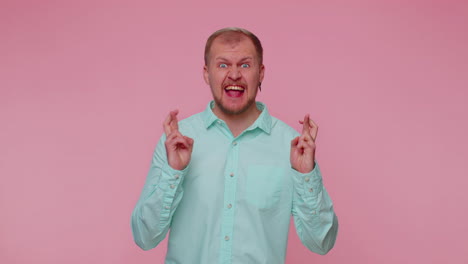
(226, 238)
(232, 174)
(167, 207)
(219, 122)
(172, 186)
(313, 212)
(234, 143)
(311, 190)
(176, 176)
(307, 179)
(229, 206)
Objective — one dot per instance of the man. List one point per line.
(226, 180)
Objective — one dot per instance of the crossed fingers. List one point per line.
(171, 123)
(309, 129)
(173, 137)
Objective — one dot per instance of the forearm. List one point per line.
(314, 217)
(159, 199)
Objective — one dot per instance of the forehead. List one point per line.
(231, 44)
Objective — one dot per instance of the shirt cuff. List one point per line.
(171, 185)
(308, 185)
(171, 178)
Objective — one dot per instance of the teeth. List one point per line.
(236, 88)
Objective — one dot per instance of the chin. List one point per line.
(234, 110)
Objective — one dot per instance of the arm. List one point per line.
(163, 190)
(158, 201)
(312, 209)
(315, 221)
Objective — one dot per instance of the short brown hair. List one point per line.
(236, 32)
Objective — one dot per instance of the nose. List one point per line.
(234, 74)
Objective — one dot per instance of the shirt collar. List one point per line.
(263, 121)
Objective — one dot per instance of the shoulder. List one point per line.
(191, 125)
(280, 127)
(193, 119)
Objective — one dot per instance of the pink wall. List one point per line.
(85, 87)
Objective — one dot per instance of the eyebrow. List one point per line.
(241, 60)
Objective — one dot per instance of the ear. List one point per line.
(262, 72)
(206, 75)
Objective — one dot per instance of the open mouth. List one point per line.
(234, 90)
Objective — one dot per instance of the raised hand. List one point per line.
(303, 147)
(178, 147)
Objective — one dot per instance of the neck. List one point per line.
(238, 122)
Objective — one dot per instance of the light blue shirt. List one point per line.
(233, 202)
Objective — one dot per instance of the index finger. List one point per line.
(166, 126)
(305, 125)
(174, 122)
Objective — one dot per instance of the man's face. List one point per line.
(233, 73)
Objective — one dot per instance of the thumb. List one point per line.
(294, 142)
(189, 140)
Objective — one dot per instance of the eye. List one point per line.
(223, 65)
(245, 65)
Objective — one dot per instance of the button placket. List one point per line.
(230, 186)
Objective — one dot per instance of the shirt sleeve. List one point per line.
(314, 217)
(158, 201)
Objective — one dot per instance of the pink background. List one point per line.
(85, 86)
